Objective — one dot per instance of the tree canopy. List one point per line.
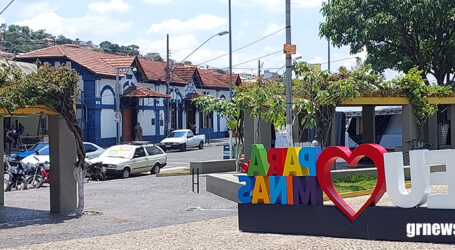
(112, 48)
(397, 34)
(55, 88)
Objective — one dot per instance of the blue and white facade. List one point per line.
(96, 107)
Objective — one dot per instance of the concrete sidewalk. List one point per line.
(223, 233)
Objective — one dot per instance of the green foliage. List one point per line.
(21, 39)
(413, 86)
(112, 48)
(398, 34)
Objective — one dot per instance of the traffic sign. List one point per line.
(290, 49)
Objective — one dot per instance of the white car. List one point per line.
(182, 139)
(42, 156)
(124, 160)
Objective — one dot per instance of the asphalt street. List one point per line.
(180, 160)
(115, 206)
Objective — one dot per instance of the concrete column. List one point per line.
(369, 134)
(2, 173)
(432, 132)
(409, 130)
(248, 133)
(265, 133)
(452, 126)
(62, 152)
(333, 131)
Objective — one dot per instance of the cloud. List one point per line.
(89, 26)
(31, 9)
(114, 6)
(157, 2)
(200, 22)
(277, 5)
(176, 44)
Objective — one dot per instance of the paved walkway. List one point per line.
(223, 233)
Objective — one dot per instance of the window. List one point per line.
(205, 120)
(153, 150)
(140, 152)
(89, 148)
(190, 134)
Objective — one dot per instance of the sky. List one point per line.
(189, 23)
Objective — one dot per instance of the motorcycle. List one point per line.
(96, 171)
(17, 178)
(38, 177)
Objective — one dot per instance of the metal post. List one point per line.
(117, 103)
(288, 75)
(328, 45)
(259, 71)
(230, 78)
(168, 81)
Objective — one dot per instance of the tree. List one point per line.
(232, 110)
(414, 87)
(57, 89)
(397, 34)
(60, 39)
(112, 48)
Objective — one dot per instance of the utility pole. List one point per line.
(259, 71)
(288, 76)
(237, 168)
(117, 104)
(168, 82)
(328, 42)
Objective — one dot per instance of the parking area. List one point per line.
(113, 206)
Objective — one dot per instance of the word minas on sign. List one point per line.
(299, 176)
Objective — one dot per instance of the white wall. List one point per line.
(145, 118)
(108, 126)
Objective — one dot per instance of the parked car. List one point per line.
(124, 160)
(38, 146)
(42, 156)
(182, 139)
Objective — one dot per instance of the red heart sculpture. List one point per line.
(328, 157)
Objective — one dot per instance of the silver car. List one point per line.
(124, 160)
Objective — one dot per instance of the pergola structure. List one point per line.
(62, 154)
(408, 123)
(259, 132)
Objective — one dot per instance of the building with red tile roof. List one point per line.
(143, 93)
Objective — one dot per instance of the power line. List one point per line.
(245, 46)
(255, 59)
(6, 7)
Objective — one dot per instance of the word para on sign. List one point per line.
(281, 176)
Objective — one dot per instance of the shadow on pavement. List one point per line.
(13, 217)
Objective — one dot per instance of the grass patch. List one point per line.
(354, 183)
(185, 171)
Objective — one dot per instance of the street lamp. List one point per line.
(168, 74)
(117, 116)
(222, 33)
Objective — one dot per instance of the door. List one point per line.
(127, 124)
(140, 161)
(155, 155)
(191, 140)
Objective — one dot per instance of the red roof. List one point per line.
(97, 62)
(135, 91)
(211, 78)
(156, 71)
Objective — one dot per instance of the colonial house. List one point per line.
(143, 95)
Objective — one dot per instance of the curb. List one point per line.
(357, 193)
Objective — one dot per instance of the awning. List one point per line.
(193, 96)
(140, 92)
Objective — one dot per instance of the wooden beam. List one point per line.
(38, 110)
